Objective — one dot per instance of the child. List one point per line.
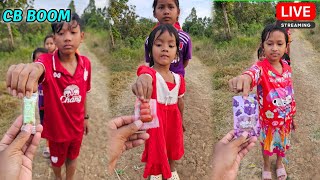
(272, 76)
(35, 55)
(49, 44)
(167, 12)
(166, 142)
(65, 77)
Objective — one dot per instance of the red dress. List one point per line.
(165, 142)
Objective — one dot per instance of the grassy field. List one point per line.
(10, 106)
(312, 35)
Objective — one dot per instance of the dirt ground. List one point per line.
(303, 157)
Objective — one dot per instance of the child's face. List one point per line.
(164, 49)
(38, 54)
(275, 46)
(68, 39)
(49, 44)
(166, 12)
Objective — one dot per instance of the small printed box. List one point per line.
(246, 115)
(29, 111)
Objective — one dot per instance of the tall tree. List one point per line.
(222, 6)
(72, 7)
(12, 4)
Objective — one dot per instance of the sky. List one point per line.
(63, 4)
(203, 8)
(143, 7)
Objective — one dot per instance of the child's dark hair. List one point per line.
(162, 28)
(38, 50)
(57, 26)
(271, 28)
(47, 37)
(155, 3)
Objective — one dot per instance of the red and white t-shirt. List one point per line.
(64, 98)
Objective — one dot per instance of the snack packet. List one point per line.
(147, 113)
(246, 115)
(29, 111)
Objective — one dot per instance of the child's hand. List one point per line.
(86, 127)
(143, 88)
(241, 83)
(294, 125)
(22, 79)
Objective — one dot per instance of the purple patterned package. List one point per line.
(246, 115)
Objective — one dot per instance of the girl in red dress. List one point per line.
(165, 144)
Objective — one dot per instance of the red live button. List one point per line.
(296, 11)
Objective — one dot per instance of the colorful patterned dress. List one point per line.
(276, 104)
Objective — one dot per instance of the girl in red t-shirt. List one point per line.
(165, 144)
(273, 78)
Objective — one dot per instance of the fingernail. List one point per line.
(245, 97)
(28, 94)
(245, 134)
(9, 90)
(27, 128)
(138, 123)
(14, 92)
(20, 95)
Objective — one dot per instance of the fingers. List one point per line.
(9, 77)
(12, 132)
(149, 90)
(245, 150)
(32, 148)
(127, 131)
(240, 140)
(21, 139)
(228, 137)
(23, 78)
(140, 94)
(143, 136)
(246, 85)
(31, 83)
(233, 84)
(135, 143)
(14, 79)
(120, 121)
(134, 89)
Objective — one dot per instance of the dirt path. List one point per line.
(198, 142)
(304, 156)
(92, 161)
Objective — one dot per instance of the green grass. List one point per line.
(121, 61)
(312, 35)
(10, 106)
(227, 58)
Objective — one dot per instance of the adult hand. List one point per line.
(17, 149)
(228, 153)
(122, 135)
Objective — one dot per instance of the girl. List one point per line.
(165, 144)
(167, 12)
(49, 44)
(272, 76)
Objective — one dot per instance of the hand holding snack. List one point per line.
(22, 79)
(241, 83)
(142, 88)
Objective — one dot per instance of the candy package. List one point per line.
(29, 111)
(246, 115)
(147, 113)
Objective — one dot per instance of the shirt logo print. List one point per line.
(56, 75)
(71, 94)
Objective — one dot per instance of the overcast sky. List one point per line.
(143, 7)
